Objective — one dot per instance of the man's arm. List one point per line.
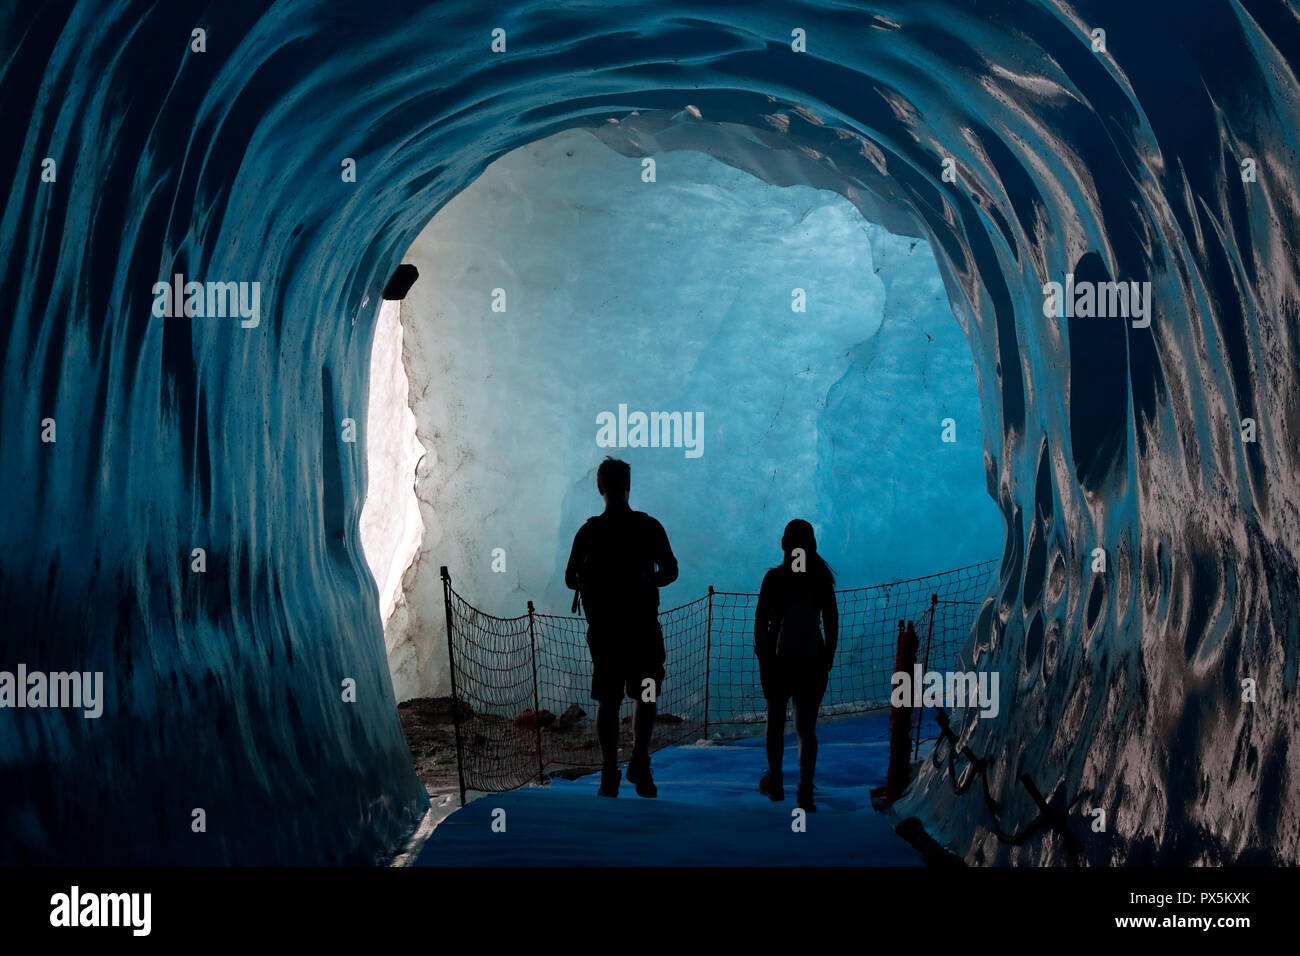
(571, 577)
(665, 560)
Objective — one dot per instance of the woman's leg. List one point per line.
(805, 726)
(775, 735)
(806, 704)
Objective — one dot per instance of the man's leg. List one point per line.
(607, 691)
(643, 728)
(645, 679)
(607, 732)
(638, 768)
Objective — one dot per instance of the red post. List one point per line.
(900, 718)
(929, 639)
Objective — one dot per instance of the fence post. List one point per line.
(537, 710)
(900, 718)
(708, 657)
(455, 700)
(925, 669)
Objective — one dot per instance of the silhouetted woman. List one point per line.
(796, 627)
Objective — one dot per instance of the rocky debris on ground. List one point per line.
(431, 736)
(531, 719)
(435, 709)
(572, 714)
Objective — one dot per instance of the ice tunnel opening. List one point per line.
(812, 354)
(391, 525)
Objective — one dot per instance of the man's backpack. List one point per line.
(604, 579)
(586, 569)
(799, 635)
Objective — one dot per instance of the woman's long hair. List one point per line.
(799, 534)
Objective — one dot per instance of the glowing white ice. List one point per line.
(673, 295)
(390, 520)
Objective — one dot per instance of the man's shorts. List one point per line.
(623, 657)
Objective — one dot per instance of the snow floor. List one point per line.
(708, 813)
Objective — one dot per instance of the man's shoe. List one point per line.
(609, 780)
(806, 798)
(771, 787)
(638, 772)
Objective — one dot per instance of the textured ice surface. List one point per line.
(1122, 688)
(676, 296)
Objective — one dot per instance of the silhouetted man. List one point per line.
(620, 560)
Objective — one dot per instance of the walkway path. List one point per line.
(708, 813)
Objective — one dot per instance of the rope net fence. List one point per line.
(522, 685)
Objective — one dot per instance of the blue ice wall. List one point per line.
(680, 296)
(224, 691)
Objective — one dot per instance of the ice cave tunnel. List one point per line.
(1016, 152)
(818, 349)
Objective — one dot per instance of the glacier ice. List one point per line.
(1168, 158)
(678, 296)
(391, 528)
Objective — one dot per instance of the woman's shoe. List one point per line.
(771, 787)
(805, 797)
